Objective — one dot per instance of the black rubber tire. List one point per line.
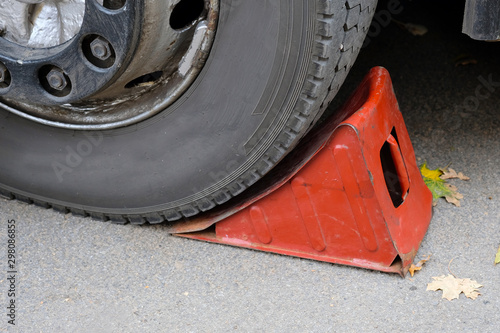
(273, 69)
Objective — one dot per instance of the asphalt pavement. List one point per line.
(80, 275)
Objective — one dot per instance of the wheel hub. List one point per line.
(100, 64)
(41, 23)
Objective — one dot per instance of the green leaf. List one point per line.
(439, 187)
(497, 257)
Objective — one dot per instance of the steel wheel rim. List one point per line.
(142, 70)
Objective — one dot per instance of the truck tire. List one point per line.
(272, 69)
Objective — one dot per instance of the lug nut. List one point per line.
(100, 48)
(56, 79)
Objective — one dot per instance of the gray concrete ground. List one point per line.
(79, 275)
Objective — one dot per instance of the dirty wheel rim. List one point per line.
(126, 61)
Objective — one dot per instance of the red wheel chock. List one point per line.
(360, 200)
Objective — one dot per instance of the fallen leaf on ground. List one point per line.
(454, 196)
(413, 268)
(414, 29)
(497, 257)
(464, 60)
(439, 187)
(452, 287)
(452, 174)
(431, 174)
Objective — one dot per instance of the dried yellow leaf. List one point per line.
(453, 196)
(438, 185)
(413, 268)
(452, 174)
(497, 257)
(414, 29)
(452, 287)
(464, 60)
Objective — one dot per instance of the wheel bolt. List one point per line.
(100, 48)
(56, 79)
